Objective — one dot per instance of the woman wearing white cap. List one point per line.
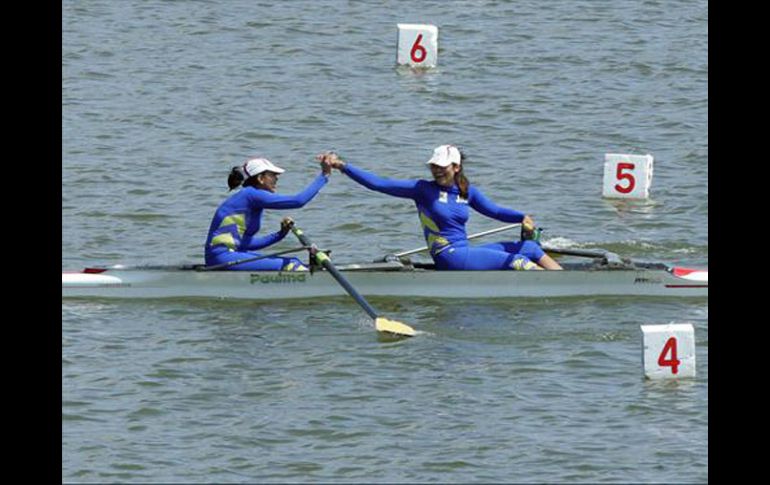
(232, 234)
(442, 205)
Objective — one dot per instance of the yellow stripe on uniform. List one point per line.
(236, 219)
(434, 239)
(437, 242)
(429, 223)
(523, 265)
(226, 239)
(294, 266)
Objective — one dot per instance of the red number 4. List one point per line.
(673, 362)
(627, 176)
(417, 48)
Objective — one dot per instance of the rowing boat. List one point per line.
(389, 278)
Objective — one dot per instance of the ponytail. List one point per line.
(235, 178)
(460, 179)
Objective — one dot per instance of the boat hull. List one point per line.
(267, 285)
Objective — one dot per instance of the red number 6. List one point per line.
(417, 48)
(625, 176)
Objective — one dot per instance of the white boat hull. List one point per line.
(183, 283)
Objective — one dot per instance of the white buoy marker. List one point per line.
(417, 45)
(668, 351)
(627, 176)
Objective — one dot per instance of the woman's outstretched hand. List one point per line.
(326, 167)
(332, 159)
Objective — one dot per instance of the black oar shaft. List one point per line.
(608, 256)
(324, 260)
(344, 282)
(575, 252)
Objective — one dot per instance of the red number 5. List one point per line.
(673, 362)
(417, 48)
(625, 176)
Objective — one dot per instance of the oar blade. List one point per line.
(393, 327)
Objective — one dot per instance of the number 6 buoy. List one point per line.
(417, 45)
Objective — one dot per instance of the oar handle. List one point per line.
(324, 260)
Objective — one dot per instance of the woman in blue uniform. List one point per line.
(233, 231)
(442, 206)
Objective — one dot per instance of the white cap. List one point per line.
(256, 166)
(445, 155)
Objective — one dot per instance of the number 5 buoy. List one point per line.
(417, 45)
(627, 176)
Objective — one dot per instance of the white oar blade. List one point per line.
(394, 327)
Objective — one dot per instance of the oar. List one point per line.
(380, 323)
(609, 256)
(472, 236)
(249, 260)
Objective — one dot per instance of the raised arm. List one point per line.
(398, 188)
(269, 200)
(407, 189)
(483, 205)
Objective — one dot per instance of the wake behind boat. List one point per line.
(604, 276)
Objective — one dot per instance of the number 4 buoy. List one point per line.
(417, 45)
(668, 351)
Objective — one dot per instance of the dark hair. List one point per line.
(460, 179)
(235, 178)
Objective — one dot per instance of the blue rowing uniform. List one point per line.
(443, 215)
(232, 234)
